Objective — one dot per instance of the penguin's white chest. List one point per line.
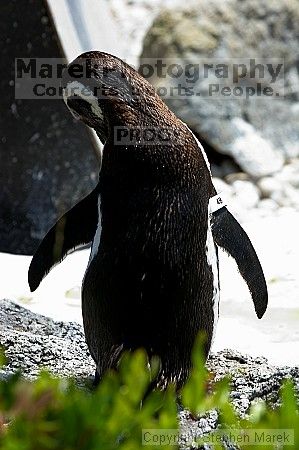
(212, 260)
(97, 237)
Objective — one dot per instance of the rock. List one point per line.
(33, 342)
(246, 194)
(287, 196)
(252, 380)
(240, 195)
(289, 173)
(254, 154)
(260, 133)
(281, 188)
(268, 205)
(47, 160)
(222, 187)
(237, 176)
(134, 18)
(268, 185)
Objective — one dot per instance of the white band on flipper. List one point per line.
(216, 202)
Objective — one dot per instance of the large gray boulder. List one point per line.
(47, 163)
(260, 133)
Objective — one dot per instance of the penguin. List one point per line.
(155, 222)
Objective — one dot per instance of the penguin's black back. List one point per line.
(149, 284)
(152, 280)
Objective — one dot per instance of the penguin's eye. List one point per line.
(87, 107)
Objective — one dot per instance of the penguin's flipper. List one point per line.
(230, 236)
(75, 228)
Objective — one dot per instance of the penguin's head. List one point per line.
(103, 91)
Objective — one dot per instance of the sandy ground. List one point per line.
(276, 336)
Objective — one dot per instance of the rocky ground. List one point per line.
(253, 379)
(33, 342)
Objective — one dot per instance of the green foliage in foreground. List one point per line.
(54, 414)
